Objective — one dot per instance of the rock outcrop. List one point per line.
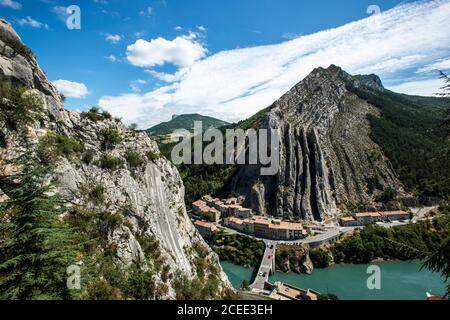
(327, 158)
(148, 197)
(294, 259)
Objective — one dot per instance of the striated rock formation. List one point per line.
(327, 158)
(147, 197)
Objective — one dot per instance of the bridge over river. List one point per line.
(267, 265)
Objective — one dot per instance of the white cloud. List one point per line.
(290, 35)
(430, 87)
(11, 4)
(60, 12)
(30, 22)
(111, 58)
(235, 84)
(178, 28)
(442, 65)
(71, 89)
(182, 51)
(147, 12)
(393, 64)
(167, 77)
(201, 28)
(136, 85)
(114, 38)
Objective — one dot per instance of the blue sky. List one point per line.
(145, 60)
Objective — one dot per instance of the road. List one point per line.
(326, 236)
(419, 213)
(265, 267)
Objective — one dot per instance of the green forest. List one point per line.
(241, 250)
(412, 241)
(413, 137)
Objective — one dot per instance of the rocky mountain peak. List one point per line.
(327, 157)
(337, 74)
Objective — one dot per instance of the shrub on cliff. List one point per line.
(94, 114)
(55, 145)
(110, 137)
(109, 162)
(19, 107)
(134, 159)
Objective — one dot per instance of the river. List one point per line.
(399, 280)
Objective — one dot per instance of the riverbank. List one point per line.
(399, 280)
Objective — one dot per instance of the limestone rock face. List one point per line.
(306, 266)
(326, 154)
(149, 198)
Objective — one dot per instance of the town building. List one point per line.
(239, 224)
(269, 229)
(205, 228)
(365, 218)
(284, 291)
(202, 208)
(348, 222)
(394, 215)
(231, 201)
(228, 208)
(244, 213)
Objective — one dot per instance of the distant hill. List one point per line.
(185, 121)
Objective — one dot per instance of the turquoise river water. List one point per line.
(399, 280)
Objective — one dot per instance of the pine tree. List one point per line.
(439, 260)
(35, 245)
(446, 94)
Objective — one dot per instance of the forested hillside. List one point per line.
(411, 135)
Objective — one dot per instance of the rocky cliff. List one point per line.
(146, 196)
(328, 162)
(294, 259)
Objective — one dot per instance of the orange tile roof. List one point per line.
(391, 213)
(235, 220)
(284, 225)
(367, 214)
(287, 225)
(199, 203)
(204, 224)
(262, 221)
(347, 219)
